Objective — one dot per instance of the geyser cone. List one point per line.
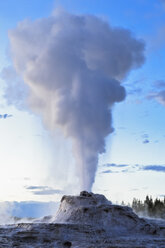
(95, 210)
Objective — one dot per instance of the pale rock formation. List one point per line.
(86, 221)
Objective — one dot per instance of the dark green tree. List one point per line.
(152, 208)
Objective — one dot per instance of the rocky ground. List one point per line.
(88, 220)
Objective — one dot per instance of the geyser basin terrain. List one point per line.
(87, 220)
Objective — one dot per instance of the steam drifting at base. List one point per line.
(72, 65)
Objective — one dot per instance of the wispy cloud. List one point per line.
(132, 168)
(146, 141)
(36, 187)
(116, 171)
(158, 92)
(47, 192)
(118, 168)
(43, 190)
(158, 168)
(115, 165)
(5, 116)
(107, 171)
(158, 96)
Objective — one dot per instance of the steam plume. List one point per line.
(72, 64)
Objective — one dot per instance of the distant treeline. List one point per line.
(149, 207)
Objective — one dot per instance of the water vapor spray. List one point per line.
(73, 65)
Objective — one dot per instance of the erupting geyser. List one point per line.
(72, 65)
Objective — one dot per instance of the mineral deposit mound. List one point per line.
(88, 220)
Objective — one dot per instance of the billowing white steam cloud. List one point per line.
(72, 64)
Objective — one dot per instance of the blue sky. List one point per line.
(28, 152)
